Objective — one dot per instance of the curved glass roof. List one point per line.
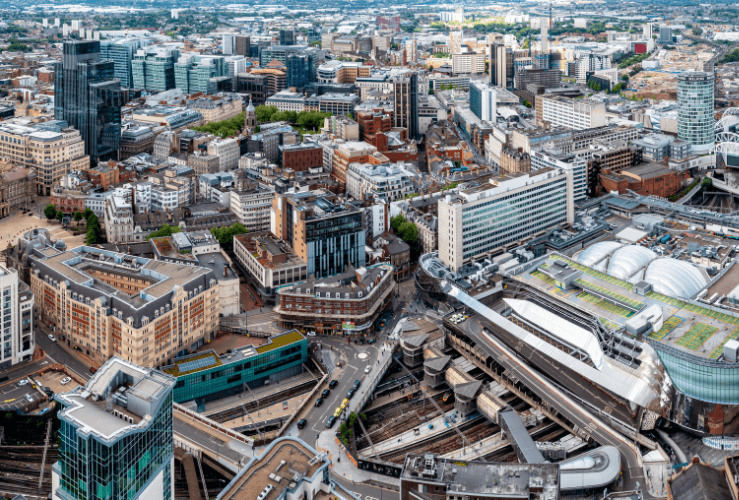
(629, 259)
(595, 253)
(675, 278)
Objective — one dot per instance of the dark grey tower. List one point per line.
(88, 96)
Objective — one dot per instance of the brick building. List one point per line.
(645, 179)
(301, 157)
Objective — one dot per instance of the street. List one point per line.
(55, 354)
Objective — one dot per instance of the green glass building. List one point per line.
(192, 72)
(153, 69)
(116, 436)
(205, 376)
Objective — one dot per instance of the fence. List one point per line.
(243, 331)
(212, 424)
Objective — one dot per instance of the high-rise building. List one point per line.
(695, 109)
(121, 53)
(499, 68)
(482, 101)
(455, 42)
(17, 315)
(287, 37)
(236, 64)
(116, 436)
(88, 97)
(468, 63)
(325, 232)
(508, 209)
(243, 46)
(405, 100)
(300, 70)
(153, 69)
(411, 51)
(647, 31)
(192, 72)
(544, 35)
(665, 34)
(229, 44)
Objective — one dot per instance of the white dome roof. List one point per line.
(675, 278)
(595, 253)
(628, 260)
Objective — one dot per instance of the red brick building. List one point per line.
(375, 127)
(645, 179)
(301, 157)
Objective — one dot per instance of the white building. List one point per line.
(591, 62)
(216, 187)
(228, 152)
(96, 203)
(388, 182)
(483, 101)
(506, 210)
(118, 219)
(468, 63)
(577, 114)
(17, 315)
(253, 207)
(576, 162)
(236, 65)
(376, 219)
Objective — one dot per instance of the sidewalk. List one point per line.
(342, 465)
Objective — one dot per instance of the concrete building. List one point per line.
(18, 319)
(118, 220)
(483, 101)
(217, 107)
(468, 63)
(252, 204)
(342, 71)
(577, 114)
(146, 311)
(341, 127)
(573, 162)
(386, 182)
(228, 152)
(501, 212)
(124, 413)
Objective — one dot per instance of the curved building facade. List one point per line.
(675, 278)
(695, 110)
(628, 260)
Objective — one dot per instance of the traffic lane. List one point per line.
(23, 369)
(204, 440)
(574, 412)
(57, 354)
(365, 491)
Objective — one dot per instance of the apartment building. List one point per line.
(109, 304)
(388, 182)
(342, 71)
(251, 203)
(118, 220)
(49, 154)
(504, 211)
(228, 152)
(353, 152)
(341, 127)
(468, 63)
(577, 114)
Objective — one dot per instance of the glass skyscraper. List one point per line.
(116, 436)
(121, 53)
(192, 72)
(88, 96)
(153, 69)
(300, 70)
(695, 110)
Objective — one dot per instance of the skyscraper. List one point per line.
(153, 69)
(695, 110)
(121, 53)
(405, 95)
(544, 36)
(287, 37)
(455, 42)
(17, 315)
(483, 101)
(116, 436)
(229, 44)
(192, 72)
(89, 98)
(300, 70)
(500, 72)
(243, 46)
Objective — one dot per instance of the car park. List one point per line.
(66, 380)
(23, 382)
(333, 384)
(302, 423)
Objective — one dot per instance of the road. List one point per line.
(56, 354)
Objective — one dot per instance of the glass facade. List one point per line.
(88, 96)
(231, 377)
(300, 70)
(193, 75)
(93, 470)
(154, 71)
(334, 243)
(695, 109)
(121, 53)
(503, 220)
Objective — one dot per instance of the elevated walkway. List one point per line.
(513, 429)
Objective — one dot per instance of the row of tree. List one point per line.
(224, 128)
(307, 120)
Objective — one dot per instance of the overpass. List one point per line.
(209, 441)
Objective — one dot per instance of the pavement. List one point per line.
(233, 451)
(56, 353)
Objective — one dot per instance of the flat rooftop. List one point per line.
(283, 464)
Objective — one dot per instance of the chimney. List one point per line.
(225, 270)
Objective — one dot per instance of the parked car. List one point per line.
(93, 369)
(330, 421)
(337, 413)
(66, 380)
(357, 383)
(344, 403)
(319, 402)
(325, 393)
(367, 369)
(333, 384)
(350, 393)
(302, 423)
(311, 334)
(23, 382)
(52, 338)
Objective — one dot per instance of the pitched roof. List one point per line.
(437, 364)
(467, 390)
(700, 482)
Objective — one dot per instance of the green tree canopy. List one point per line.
(396, 221)
(59, 215)
(77, 216)
(408, 231)
(225, 235)
(50, 211)
(166, 230)
(87, 213)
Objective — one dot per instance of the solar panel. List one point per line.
(197, 364)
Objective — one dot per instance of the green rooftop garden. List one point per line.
(282, 340)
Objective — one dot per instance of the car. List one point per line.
(350, 393)
(311, 334)
(330, 421)
(52, 338)
(23, 382)
(319, 402)
(325, 393)
(338, 412)
(66, 380)
(344, 404)
(333, 384)
(357, 383)
(367, 369)
(93, 369)
(302, 423)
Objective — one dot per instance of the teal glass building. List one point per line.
(205, 376)
(116, 436)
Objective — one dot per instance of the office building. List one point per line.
(546, 78)
(647, 31)
(287, 37)
(405, 102)
(193, 72)
(665, 35)
(483, 101)
(577, 114)
(574, 162)
(499, 68)
(50, 154)
(18, 319)
(251, 203)
(169, 309)
(268, 261)
(236, 64)
(505, 210)
(279, 52)
(386, 182)
(88, 97)
(695, 109)
(299, 69)
(325, 232)
(116, 435)
(217, 107)
(243, 46)
(455, 42)
(153, 69)
(121, 53)
(353, 152)
(229, 44)
(342, 72)
(468, 63)
(589, 63)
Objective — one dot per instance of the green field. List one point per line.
(696, 336)
(667, 327)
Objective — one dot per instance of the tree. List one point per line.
(77, 216)
(396, 221)
(59, 215)
(50, 211)
(225, 235)
(625, 77)
(91, 237)
(349, 115)
(408, 232)
(166, 230)
(264, 113)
